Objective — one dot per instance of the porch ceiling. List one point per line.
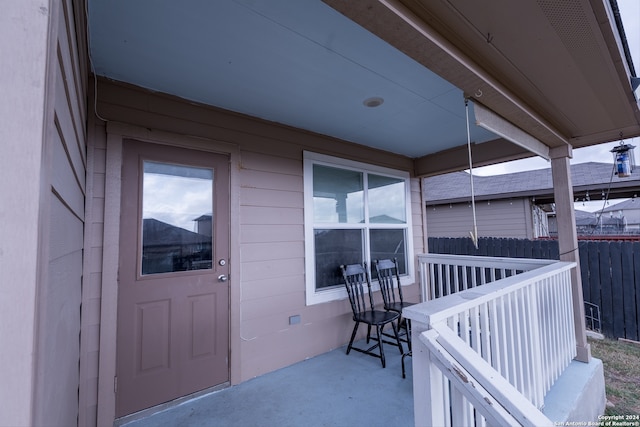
(554, 69)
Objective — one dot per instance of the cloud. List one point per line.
(176, 200)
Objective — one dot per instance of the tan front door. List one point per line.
(173, 292)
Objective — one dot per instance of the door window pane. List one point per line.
(338, 195)
(333, 248)
(386, 200)
(177, 206)
(389, 244)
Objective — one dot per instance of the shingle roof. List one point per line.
(456, 186)
(630, 204)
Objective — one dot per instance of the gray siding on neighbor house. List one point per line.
(630, 209)
(59, 299)
(268, 268)
(499, 218)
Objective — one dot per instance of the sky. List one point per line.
(630, 13)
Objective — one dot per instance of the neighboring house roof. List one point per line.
(592, 221)
(591, 176)
(583, 218)
(627, 205)
(158, 233)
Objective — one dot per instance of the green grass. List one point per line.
(621, 362)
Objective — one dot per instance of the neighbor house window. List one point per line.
(354, 213)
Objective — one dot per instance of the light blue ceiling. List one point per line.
(299, 63)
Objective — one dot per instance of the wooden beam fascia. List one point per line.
(494, 123)
(457, 158)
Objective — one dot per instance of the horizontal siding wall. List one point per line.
(272, 268)
(58, 336)
(270, 238)
(500, 218)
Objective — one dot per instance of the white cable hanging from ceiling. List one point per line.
(474, 233)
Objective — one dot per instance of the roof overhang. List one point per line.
(555, 70)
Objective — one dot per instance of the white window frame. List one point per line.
(310, 159)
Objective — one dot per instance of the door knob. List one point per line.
(222, 278)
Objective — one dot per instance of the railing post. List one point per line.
(568, 241)
(428, 393)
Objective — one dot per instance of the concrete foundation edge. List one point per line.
(578, 396)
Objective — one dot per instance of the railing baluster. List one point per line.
(503, 334)
(446, 281)
(517, 339)
(545, 325)
(425, 284)
(433, 284)
(485, 332)
(474, 276)
(465, 278)
(558, 344)
(456, 282)
(474, 329)
(535, 344)
(446, 390)
(528, 329)
(494, 335)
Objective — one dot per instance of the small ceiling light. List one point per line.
(373, 102)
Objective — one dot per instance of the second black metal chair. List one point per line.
(358, 284)
(389, 279)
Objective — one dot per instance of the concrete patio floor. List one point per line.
(332, 389)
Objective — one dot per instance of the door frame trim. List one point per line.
(116, 134)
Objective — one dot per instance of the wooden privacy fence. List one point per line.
(610, 273)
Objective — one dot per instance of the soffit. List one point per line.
(551, 68)
(303, 64)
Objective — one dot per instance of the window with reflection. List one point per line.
(355, 213)
(386, 200)
(177, 218)
(338, 195)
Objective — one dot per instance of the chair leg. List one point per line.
(368, 333)
(395, 332)
(404, 375)
(379, 332)
(353, 335)
(408, 327)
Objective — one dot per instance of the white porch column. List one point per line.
(568, 241)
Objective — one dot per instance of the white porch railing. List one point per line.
(519, 325)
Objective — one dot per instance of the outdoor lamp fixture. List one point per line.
(623, 159)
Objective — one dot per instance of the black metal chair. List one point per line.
(358, 284)
(389, 280)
